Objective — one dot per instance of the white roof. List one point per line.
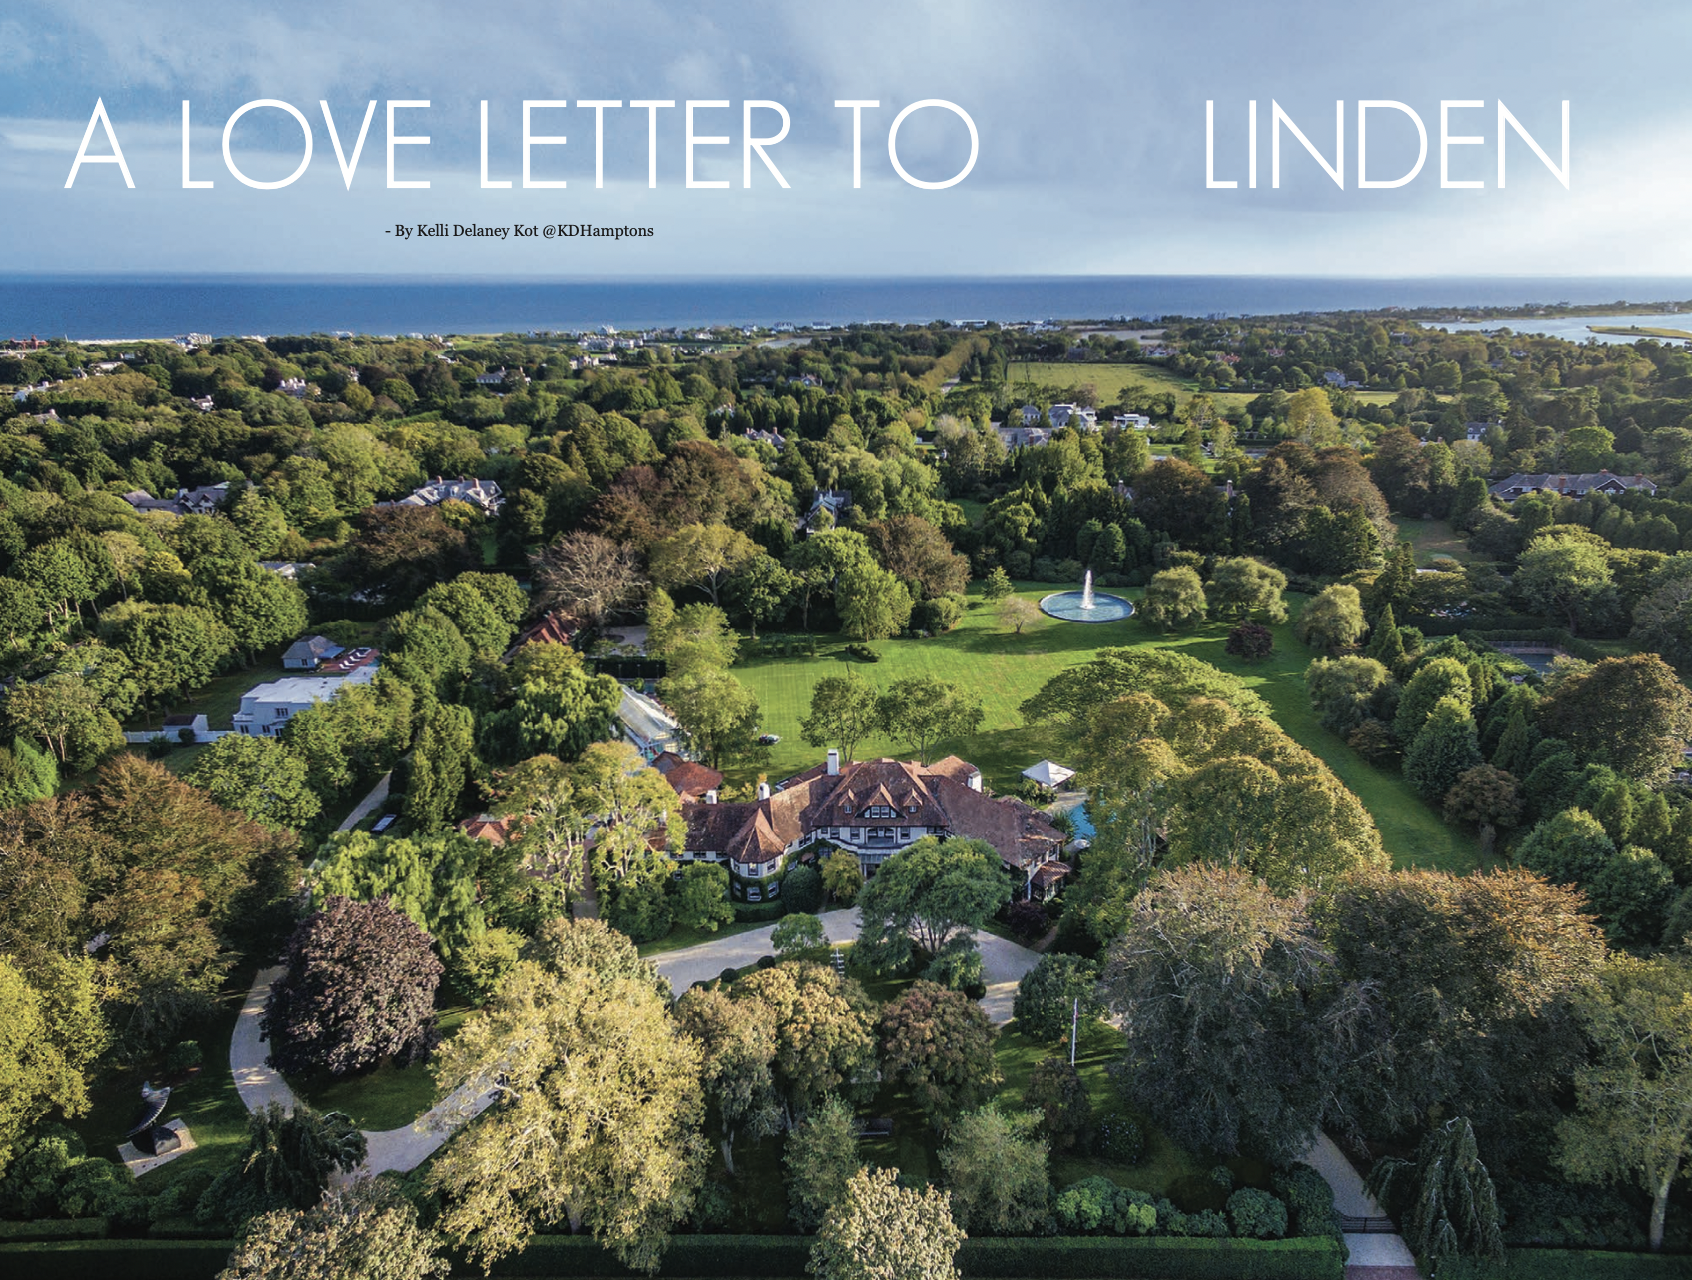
(645, 716)
(1048, 774)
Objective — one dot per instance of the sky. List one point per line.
(1091, 120)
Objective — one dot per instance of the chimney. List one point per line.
(711, 796)
(975, 781)
(833, 762)
(763, 791)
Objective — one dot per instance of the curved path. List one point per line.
(1005, 962)
(408, 1146)
(259, 1084)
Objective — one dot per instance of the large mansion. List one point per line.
(872, 807)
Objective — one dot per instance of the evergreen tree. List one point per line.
(1386, 645)
(1443, 750)
(1445, 1202)
(1516, 746)
(1395, 583)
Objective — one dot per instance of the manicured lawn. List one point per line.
(1005, 669)
(680, 937)
(1110, 380)
(390, 1096)
(208, 1104)
(1433, 540)
(219, 699)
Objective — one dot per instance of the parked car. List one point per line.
(768, 739)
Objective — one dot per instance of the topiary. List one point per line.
(1257, 1214)
(1309, 1200)
(802, 889)
(1117, 1137)
(1251, 641)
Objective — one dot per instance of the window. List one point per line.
(879, 811)
(904, 833)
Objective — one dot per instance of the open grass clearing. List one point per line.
(1006, 668)
(1432, 540)
(1110, 381)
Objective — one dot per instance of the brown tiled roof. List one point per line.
(1051, 873)
(937, 797)
(692, 780)
(664, 761)
(486, 828)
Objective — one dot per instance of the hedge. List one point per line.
(128, 1259)
(1154, 1258)
(54, 1229)
(728, 1256)
(758, 912)
(1572, 1264)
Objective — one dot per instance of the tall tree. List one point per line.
(939, 1044)
(1174, 598)
(737, 1041)
(1635, 1098)
(995, 1166)
(261, 777)
(922, 709)
(1237, 1027)
(701, 555)
(821, 1157)
(926, 894)
(368, 1231)
(880, 1230)
(597, 1112)
(1449, 1206)
(359, 987)
(1632, 714)
(825, 1041)
(587, 577)
(1333, 620)
(844, 711)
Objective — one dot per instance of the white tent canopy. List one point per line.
(1048, 774)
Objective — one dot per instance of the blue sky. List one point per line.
(1091, 119)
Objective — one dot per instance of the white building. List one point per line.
(267, 708)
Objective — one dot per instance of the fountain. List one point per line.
(1085, 606)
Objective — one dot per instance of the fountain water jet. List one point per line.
(1085, 606)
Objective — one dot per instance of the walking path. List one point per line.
(375, 800)
(1373, 1257)
(1004, 961)
(259, 1084)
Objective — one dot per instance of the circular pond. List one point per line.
(1068, 605)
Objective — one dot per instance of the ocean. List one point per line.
(95, 308)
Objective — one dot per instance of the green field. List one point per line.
(1109, 381)
(218, 699)
(1005, 669)
(1633, 330)
(1433, 540)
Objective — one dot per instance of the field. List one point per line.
(218, 699)
(1432, 540)
(1005, 669)
(1109, 381)
(1633, 330)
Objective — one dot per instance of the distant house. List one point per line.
(204, 500)
(1570, 484)
(1024, 437)
(835, 501)
(289, 569)
(774, 439)
(1132, 422)
(549, 630)
(205, 404)
(141, 500)
(267, 708)
(309, 652)
(1069, 415)
(500, 376)
(482, 494)
(482, 827)
(298, 388)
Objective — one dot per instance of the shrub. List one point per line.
(1027, 919)
(1117, 1137)
(1309, 1200)
(1046, 995)
(1257, 1214)
(863, 653)
(1055, 1091)
(184, 1056)
(758, 912)
(958, 966)
(1251, 641)
(802, 889)
(1374, 742)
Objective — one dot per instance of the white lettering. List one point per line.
(893, 144)
(532, 140)
(229, 157)
(394, 140)
(1363, 179)
(857, 106)
(758, 144)
(82, 157)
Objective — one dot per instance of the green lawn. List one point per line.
(681, 936)
(1111, 380)
(1006, 668)
(219, 699)
(209, 1104)
(1432, 540)
(390, 1096)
